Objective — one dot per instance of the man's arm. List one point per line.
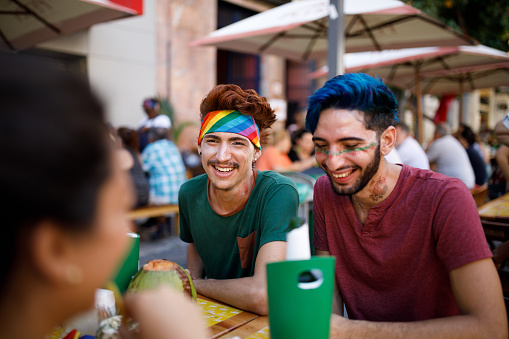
(248, 293)
(337, 300)
(194, 263)
(478, 294)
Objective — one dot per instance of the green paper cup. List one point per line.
(130, 264)
(300, 298)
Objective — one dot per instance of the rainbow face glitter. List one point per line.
(325, 151)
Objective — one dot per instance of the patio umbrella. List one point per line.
(24, 23)
(433, 70)
(298, 30)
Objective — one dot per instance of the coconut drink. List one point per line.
(162, 272)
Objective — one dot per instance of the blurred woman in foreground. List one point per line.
(65, 198)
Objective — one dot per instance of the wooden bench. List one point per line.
(156, 211)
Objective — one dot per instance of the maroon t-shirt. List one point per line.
(396, 266)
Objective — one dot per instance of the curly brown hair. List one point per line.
(248, 102)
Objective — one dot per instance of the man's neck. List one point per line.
(225, 202)
(379, 188)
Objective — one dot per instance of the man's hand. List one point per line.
(248, 293)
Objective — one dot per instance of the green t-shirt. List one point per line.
(228, 245)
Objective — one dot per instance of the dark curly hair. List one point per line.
(248, 102)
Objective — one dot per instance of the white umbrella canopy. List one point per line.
(298, 30)
(24, 23)
(441, 69)
(433, 70)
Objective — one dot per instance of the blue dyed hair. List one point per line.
(355, 91)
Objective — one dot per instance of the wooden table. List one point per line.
(255, 329)
(495, 218)
(222, 319)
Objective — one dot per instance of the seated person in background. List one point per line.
(412, 259)
(166, 171)
(502, 130)
(467, 139)
(302, 145)
(234, 217)
(502, 158)
(186, 137)
(129, 141)
(478, 144)
(64, 239)
(409, 149)
(275, 155)
(447, 156)
(501, 253)
(154, 119)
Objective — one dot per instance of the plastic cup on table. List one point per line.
(129, 266)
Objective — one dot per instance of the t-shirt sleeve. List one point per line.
(282, 204)
(457, 228)
(185, 232)
(319, 232)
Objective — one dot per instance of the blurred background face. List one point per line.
(306, 143)
(100, 250)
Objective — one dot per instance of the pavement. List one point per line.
(168, 247)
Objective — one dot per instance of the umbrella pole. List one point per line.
(461, 102)
(336, 39)
(418, 95)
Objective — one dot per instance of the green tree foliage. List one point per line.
(484, 20)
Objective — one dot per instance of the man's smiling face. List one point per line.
(228, 159)
(347, 151)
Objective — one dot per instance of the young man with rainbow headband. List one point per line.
(411, 257)
(234, 217)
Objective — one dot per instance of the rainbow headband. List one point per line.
(231, 122)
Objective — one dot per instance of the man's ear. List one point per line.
(387, 140)
(52, 253)
(257, 154)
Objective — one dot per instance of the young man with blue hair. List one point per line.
(412, 258)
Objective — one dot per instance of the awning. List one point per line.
(24, 23)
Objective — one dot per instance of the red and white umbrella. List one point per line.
(24, 23)
(298, 30)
